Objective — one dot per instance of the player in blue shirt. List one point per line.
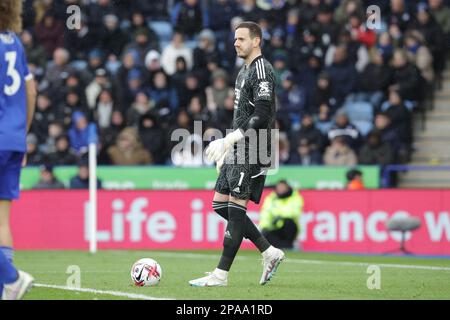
(17, 102)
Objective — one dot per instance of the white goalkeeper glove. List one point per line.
(220, 163)
(217, 148)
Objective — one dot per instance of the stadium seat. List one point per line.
(324, 127)
(79, 65)
(163, 30)
(363, 126)
(359, 111)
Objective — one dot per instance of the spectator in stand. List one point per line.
(50, 33)
(81, 180)
(292, 29)
(80, 41)
(190, 89)
(58, 65)
(112, 38)
(152, 64)
(399, 15)
(220, 13)
(342, 75)
(176, 49)
(141, 45)
(98, 10)
(406, 77)
(93, 89)
(34, 156)
(205, 51)
(71, 104)
(128, 149)
(323, 119)
(327, 27)
(400, 116)
(189, 16)
(43, 116)
(104, 109)
(419, 55)
(356, 53)
(309, 10)
(385, 46)
(433, 33)
(346, 8)
(375, 151)
(63, 155)
(292, 98)
(355, 180)
(129, 68)
(153, 137)
(441, 14)
(305, 154)
(79, 133)
(197, 110)
(359, 32)
(310, 133)
(343, 128)
(339, 153)
(109, 135)
(55, 129)
(47, 180)
(162, 93)
(374, 80)
(139, 24)
(141, 105)
(34, 50)
(178, 79)
(309, 45)
(218, 91)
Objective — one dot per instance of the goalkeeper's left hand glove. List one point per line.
(220, 163)
(217, 148)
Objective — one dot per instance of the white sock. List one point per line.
(221, 274)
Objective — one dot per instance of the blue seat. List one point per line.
(363, 126)
(359, 111)
(163, 29)
(324, 127)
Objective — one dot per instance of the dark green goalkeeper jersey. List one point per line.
(254, 83)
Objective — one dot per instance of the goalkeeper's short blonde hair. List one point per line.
(11, 15)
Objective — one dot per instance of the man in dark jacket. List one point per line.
(375, 151)
(342, 74)
(63, 156)
(153, 137)
(81, 180)
(48, 180)
(343, 128)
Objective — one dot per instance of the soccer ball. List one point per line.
(146, 272)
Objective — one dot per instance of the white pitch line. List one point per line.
(111, 293)
(306, 261)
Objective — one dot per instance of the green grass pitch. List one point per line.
(301, 276)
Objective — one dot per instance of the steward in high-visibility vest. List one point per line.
(280, 214)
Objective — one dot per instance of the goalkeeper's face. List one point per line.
(243, 43)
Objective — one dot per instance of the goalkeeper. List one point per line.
(241, 177)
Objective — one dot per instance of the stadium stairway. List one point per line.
(432, 145)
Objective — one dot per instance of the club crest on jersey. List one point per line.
(264, 89)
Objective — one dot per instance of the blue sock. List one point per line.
(8, 272)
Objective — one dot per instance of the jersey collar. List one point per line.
(256, 59)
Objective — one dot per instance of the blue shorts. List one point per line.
(10, 166)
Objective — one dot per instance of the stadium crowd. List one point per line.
(138, 69)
